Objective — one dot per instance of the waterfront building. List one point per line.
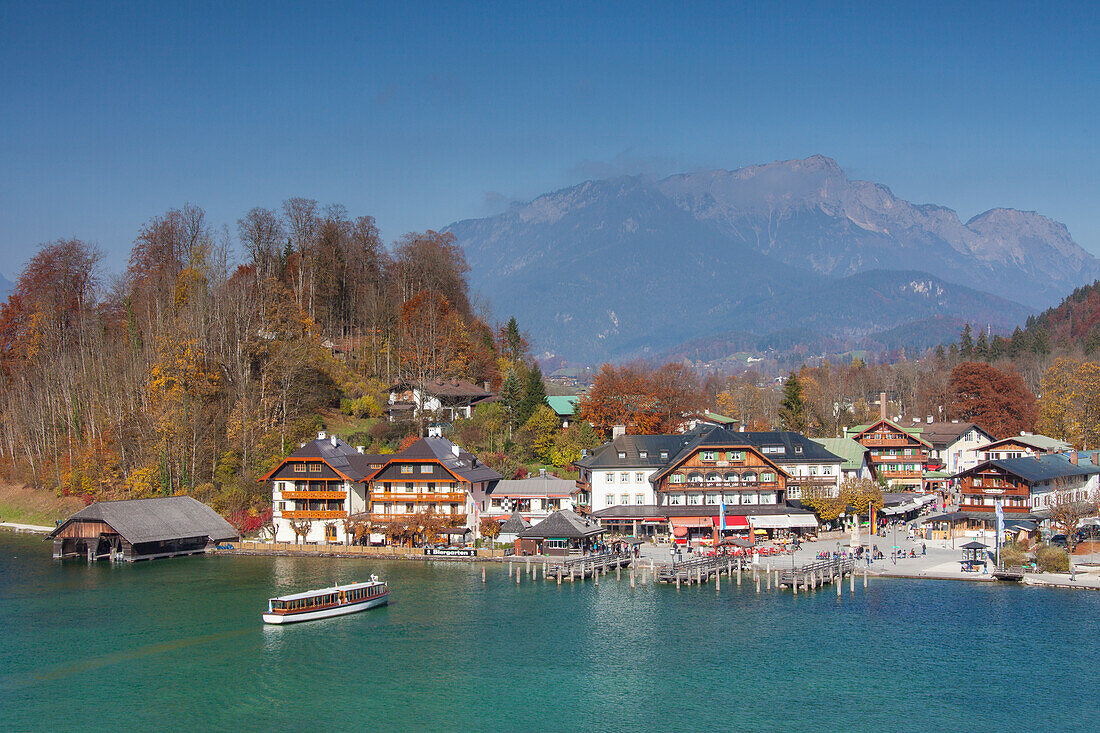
(512, 528)
(897, 455)
(618, 473)
(806, 462)
(562, 533)
(448, 399)
(1025, 486)
(705, 523)
(535, 497)
(141, 529)
(317, 488)
(433, 475)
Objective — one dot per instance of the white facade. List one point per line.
(353, 502)
(826, 474)
(962, 455)
(622, 486)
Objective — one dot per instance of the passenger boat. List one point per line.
(325, 602)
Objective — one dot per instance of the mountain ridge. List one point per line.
(612, 268)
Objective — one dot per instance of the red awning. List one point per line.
(679, 531)
(733, 521)
(691, 522)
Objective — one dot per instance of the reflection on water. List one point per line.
(140, 645)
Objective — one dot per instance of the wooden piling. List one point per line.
(758, 585)
(794, 583)
(632, 577)
(865, 577)
(738, 572)
(852, 582)
(838, 584)
(717, 582)
(618, 572)
(677, 581)
(482, 573)
(509, 570)
(769, 581)
(559, 575)
(596, 577)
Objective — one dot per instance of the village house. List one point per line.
(806, 462)
(617, 473)
(323, 490)
(1019, 446)
(562, 533)
(897, 455)
(535, 497)
(447, 399)
(317, 488)
(953, 443)
(564, 406)
(855, 460)
(431, 475)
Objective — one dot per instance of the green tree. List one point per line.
(571, 442)
(966, 343)
(792, 409)
(534, 394)
(539, 433)
(511, 395)
(981, 348)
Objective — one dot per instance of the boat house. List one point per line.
(562, 533)
(141, 529)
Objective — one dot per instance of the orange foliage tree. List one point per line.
(643, 399)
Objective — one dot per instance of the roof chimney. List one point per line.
(929, 420)
(916, 419)
(1096, 458)
(617, 431)
(1073, 457)
(321, 435)
(881, 405)
(454, 449)
(359, 448)
(487, 387)
(542, 473)
(333, 441)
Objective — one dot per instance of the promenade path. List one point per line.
(16, 527)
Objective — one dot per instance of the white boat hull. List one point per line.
(292, 618)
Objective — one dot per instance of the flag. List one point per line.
(721, 516)
(998, 507)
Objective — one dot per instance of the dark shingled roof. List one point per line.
(465, 465)
(607, 455)
(942, 434)
(514, 524)
(1038, 469)
(340, 457)
(811, 450)
(566, 524)
(154, 520)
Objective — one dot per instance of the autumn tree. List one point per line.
(998, 401)
(1056, 405)
(1068, 506)
(644, 400)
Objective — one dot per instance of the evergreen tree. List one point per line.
(534, 394)
(998, 348)
(1016, 343)
(940, 355)
(511, 395)
(981, 348)
(514, 346)
(953, 353)
(792, 409)
(966, 344)
(1040, 341)
(1092, 341)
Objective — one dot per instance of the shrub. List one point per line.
(1013, 554)
(1052, 559)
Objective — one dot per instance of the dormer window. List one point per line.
(299, 468)
(622, 454)
(643, 454)
(315, 468)
(798, 449)
(664, 455)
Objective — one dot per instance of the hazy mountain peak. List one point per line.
(622, 265)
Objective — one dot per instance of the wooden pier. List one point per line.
(696, 570)
(816, 574)
(586, 566)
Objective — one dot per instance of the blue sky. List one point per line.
(421, 114)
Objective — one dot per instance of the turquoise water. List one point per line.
(178, 644)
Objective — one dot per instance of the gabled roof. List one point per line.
(465, 465)
(812, 450)
(563, 405)
(446, 388)
(912, 431)
(565, 524)
(714, 438)
(514, 524)
(1037, 469)
(852, 452)
(942, 434)
(154, 520)
(607, 455)
(340, 457)
(1039, 442)
(535, 486)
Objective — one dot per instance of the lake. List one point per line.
(178, 644)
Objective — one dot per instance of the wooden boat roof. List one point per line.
(323, 591)
(155, 520)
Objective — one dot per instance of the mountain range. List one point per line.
(792, 253)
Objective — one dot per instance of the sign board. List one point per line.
(451, 551)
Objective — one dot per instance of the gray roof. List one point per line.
(153, 520)
(1035, 440)
(514, 524)
(1037, 469)
(607, 455)
(942, 434)
(340, 456)
(535, 486)
(797, 448)
(566, 524)
(464, 465)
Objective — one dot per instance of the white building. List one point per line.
(534, 498)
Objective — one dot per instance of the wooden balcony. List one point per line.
(705, 485)
(458, 496)
(915, 458)
(378, 517)
(899, 474)
(314, 514)
(307, 495)
(887, 442)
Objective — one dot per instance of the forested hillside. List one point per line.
(194, 371)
